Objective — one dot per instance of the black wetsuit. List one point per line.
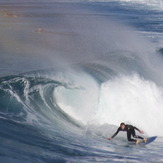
(130, 131)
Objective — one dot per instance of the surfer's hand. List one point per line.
(109, 138)
(142, 132)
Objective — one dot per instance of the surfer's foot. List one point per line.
(138, 141)
(145, 140)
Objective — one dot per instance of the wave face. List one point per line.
(71, 73)
(90, 98)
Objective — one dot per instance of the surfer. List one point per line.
(130, 131)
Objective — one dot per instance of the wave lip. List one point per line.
(30, 100)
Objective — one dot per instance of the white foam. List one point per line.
(131, 99)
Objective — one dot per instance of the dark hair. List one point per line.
(122, 124)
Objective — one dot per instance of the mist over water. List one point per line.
(67, 34)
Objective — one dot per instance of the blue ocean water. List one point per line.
(71, 72)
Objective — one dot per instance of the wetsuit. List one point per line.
(130, 131)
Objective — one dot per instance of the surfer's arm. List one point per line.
(140, 131)
(114, 134)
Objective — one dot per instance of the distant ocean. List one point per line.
(71, 72)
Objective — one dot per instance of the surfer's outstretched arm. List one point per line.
(114, 134)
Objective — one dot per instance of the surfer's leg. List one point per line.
(139, 137)
(129, 133)
(132, 132)
(136, 136)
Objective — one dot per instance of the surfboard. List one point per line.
(149, 140)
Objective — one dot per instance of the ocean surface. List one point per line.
(71, 72)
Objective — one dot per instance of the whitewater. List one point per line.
(71, 72)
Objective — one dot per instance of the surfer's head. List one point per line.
(122, 126)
